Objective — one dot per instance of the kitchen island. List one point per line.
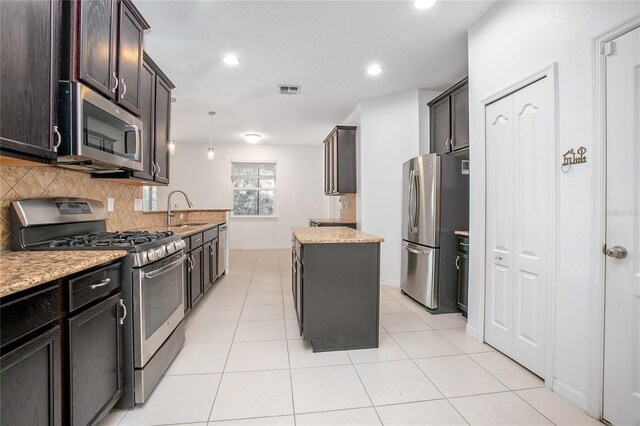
(336, 287)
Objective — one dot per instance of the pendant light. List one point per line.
(211, 153)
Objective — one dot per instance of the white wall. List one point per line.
(512, 41)
(424, 97)
(299, 188)
(388, 136)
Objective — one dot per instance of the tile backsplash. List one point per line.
(19, 182)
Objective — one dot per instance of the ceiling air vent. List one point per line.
(286, 89)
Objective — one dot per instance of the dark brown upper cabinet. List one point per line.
(340, 161)
(155, 108)
(162, 126)
(29, 58)
(110, 49)
(449, 119)
(97, 45)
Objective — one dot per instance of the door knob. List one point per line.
(616, 251)
(498, 258)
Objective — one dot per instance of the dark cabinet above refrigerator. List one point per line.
(449, 119)
(340, 161)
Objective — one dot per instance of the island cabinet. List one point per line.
(336, 287)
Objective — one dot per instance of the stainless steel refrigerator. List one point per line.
(435, 203)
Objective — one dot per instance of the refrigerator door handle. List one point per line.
(414, 251)
(416, 202)
(411, 206)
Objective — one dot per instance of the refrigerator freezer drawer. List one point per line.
(419, 273)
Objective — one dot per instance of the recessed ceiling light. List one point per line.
(423, 4)
(231, 59)
(374, 69)
(252, 138)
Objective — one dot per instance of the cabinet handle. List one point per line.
(124, 88)
(458, 262)
(158, 168)
(452, 142)
(100, 284)
(124, 311)
(58, 138)
(115, 79)
(446, 143)
(153, 168)
(191, 263)
(464, 244)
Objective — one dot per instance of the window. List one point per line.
(149, 198)
(254, 189)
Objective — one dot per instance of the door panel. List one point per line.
(129, 60)
(622, 311)
(519, 209)
(441, 127)
(418, 272)
(97, 52)
(499, 145)
(162, 130)
(532, 213)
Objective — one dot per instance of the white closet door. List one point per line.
(500, 201)
(532, 217)
(519, 191)
(622, 310)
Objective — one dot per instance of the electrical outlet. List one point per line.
(109, 204)
(137, 204)
(181, 215)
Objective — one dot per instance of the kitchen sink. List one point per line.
(187, 225)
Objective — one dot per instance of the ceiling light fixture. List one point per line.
(252, 138)
(211, 153)
(231, 59)
(374, 69)
(424, 4)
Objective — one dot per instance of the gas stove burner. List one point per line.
(111, 239)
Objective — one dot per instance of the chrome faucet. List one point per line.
(170, 214)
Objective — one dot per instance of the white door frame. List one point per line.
(549, 72)
(595, 388)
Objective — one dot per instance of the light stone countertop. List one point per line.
(335, 220)
(333, 235)
(462, 233)
(183, 231)
(21, 270)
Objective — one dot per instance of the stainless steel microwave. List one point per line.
(95, 133)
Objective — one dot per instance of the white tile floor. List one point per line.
(244, 364)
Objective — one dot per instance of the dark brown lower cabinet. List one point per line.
(30, 382)
(210, 270)
(337, 290)
(462, 264)
(195, 275)
(95, 361)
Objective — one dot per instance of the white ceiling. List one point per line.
(324, 46)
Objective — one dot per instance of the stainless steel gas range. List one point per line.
(153, 288)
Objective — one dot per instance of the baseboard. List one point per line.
(473, 332)
(570, 393)
(389, 283)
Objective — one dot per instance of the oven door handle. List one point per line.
(166, 268)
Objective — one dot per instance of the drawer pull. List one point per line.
(100, 284)
(124, 311)
(464, 244)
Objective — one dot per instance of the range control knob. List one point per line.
(152, 255)
(170, 248)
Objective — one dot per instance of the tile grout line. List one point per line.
(228, 353)
(293, 401)
(362, 383)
